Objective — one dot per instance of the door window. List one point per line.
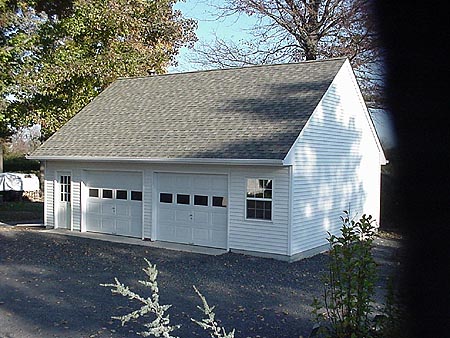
(64, 183)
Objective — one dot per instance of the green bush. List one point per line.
(349, 284)
(20, 164)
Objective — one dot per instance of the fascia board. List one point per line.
(269, 162)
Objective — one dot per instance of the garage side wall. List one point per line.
(336, 166)
(257, 235)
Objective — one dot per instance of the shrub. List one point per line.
(349, 285)
(18, 163)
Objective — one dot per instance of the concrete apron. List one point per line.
(138, 241)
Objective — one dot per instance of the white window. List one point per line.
(259, 199)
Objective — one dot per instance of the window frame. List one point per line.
(261, 199)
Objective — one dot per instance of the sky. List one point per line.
(205, 12)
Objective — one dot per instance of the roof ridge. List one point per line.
(232, 68)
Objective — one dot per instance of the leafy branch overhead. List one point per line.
(60, 55)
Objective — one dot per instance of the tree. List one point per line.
(298, 30)
(69, 51)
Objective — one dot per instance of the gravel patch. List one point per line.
(49, 287)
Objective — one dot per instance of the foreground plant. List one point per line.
(349, 285)
(160, 326)
(209, 323)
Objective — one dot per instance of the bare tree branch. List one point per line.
(297, 30)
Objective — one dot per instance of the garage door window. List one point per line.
(219, 201)
(136, 195)
(122, 194)
(107, 193)
(201, 200)
(183, 199)
(259, 199)
(165, 197)
(93, 192)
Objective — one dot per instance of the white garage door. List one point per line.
(192, 209)
(114, 203)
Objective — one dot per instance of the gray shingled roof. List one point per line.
(239, 113)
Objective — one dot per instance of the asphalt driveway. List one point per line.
(49, 287)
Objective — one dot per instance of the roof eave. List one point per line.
(226, 161)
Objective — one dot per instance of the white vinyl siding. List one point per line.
(253, 234)
(336, 166)
(49, 205)
(76, 195)
(147, 198)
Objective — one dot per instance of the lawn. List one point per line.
(21, 211)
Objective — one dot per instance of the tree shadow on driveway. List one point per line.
(50, 287)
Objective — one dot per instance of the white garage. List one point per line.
(254, 159)
(113, 203)
(192, 209)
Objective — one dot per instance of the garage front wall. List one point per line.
(242, 234)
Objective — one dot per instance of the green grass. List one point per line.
(21, 211)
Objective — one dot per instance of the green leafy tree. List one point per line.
(69, 51)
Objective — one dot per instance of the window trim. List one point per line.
(271, 200)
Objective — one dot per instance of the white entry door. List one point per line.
(64, 200)
(114, 203)
(192, 209)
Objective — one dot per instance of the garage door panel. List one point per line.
(220, 185)
(94, 207)
(201, 218)
(108, 225)
(198, 222)
(183, 234)
(166, 215)
(166, 232)
(182, 216)
(218, 220)
(218, 237)
(122, 210)
(123, 227)
(201, 235)
(107, 209)
(94, 223)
